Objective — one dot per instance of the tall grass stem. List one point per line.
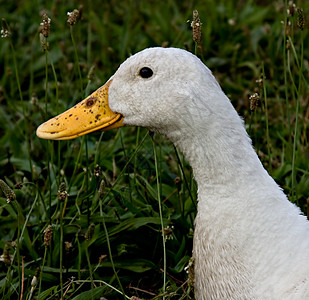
(294, 190)
(266, 118)
(110, 250)
(90, 269)
(161, 216)
(77, 60)
(61, 249)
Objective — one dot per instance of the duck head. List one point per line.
(156, 88)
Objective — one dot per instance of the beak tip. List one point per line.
(39, 132)
(44, 134)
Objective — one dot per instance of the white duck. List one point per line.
(250, 242)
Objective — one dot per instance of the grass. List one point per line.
(125, 228)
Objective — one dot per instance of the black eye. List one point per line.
(145, 72)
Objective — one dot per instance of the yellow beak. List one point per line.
(89, 115)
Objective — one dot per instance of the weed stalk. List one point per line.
(5, 25)
(161, 216)
(294, 191)
(41, 273)
(90, 269)
(285, 71)
(109, 249)
(266, 118)
(61, 249)
(77, 60)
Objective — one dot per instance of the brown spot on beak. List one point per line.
(90, 101)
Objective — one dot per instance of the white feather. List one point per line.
(250, 242)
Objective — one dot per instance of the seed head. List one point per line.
(90, 231)
(45, 25)
(18, 186)
(6, 257)
(73, 16)
(254, 101)
(68, 247)
(48, 234)
(34, 281)
(168, 232)
(5, 30)
(231, 22)
(62, 192)
(7, 191)
(34, 99)
(91, 73)
(35, 173)
(291, 8)
(196, 27)
(101, 190)
(190, 270)
(300, 19)
(260, 82)
(5, 33)
(97, 171)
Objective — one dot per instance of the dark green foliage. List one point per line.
(106, 235)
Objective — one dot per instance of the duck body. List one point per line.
(250, 242)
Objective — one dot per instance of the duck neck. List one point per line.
(227, 171)
(220, 155)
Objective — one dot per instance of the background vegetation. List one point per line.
(86, 220)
